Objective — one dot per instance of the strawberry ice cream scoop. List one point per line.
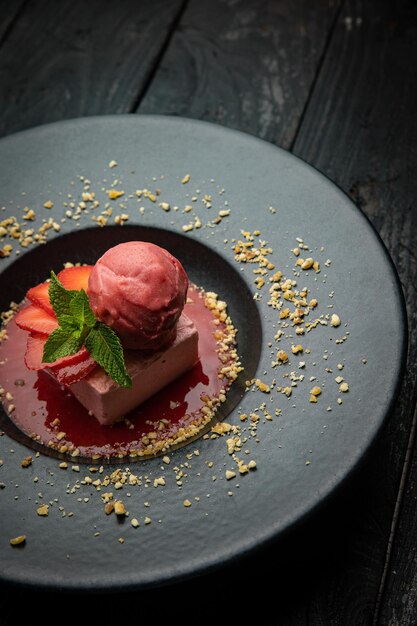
(139, 290)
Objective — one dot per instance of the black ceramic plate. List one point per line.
(303, 454)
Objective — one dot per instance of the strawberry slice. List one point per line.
(36, 320)
(71, 278)
(39, 295)
(40, 320)
(70, 374)
(34, 352)
(75, 277)
(68, 369)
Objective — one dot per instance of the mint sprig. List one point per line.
(79, 327)
(60, 297)
(104, 346)
(61, 342)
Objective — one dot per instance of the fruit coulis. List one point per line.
(49, 413)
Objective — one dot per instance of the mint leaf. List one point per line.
(59, 297)
(67, 322)
(61, 342)
(104, 346)
(77, 327)
(81, 311)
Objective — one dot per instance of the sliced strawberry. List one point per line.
(75, 277)
(34, 352)
(71, 278)
(39, 295)
(68, 369)
(70, 374)
(39, 319)
(36, 320)
(81, 356)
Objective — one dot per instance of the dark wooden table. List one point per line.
(334, 82)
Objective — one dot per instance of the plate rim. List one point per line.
(340, 479)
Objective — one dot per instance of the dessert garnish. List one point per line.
(78, 327)
(39, 319)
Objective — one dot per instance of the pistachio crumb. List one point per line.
(307, 264)
(109, 507)
(282, 356)
(262, 386)
(113, 194)
(43, 510)
(18, 541)
(335, 320)
(119, 508)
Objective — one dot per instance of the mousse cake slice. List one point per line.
(149, 371)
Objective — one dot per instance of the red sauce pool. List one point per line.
(39, 400)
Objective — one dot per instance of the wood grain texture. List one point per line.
(360, 129)
(247, 64)
(72, 58)
(399, 601)
(9, 12)
(252, 65)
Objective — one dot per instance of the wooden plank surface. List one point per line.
(72, 58)
(9, 12)
(351, 129)
(360, 129)
(399, 601)
(339, 89)
(247, 64)
(288, 43)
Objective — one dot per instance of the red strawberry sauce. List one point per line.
(40, 400)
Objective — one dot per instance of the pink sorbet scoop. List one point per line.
(139, 290)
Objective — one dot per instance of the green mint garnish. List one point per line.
(61, 342)
(78, 327)
(59, 297)
(81, 311)
(104, 346)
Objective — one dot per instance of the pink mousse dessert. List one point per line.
(139, 290)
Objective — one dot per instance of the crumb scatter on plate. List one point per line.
(298, 309)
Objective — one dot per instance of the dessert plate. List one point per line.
(204, 512)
